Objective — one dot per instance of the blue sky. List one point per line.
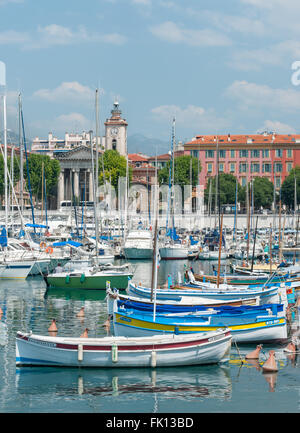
(217, 66)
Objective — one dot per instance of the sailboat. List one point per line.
(172, 248)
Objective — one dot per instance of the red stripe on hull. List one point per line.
(124, 348)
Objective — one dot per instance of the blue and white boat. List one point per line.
(206, 295)
(247, 324)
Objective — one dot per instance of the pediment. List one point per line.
(80, 153)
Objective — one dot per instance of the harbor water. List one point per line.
(237, 386)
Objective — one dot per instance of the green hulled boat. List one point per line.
(90, 278)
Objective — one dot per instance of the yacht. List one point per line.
(138, 245)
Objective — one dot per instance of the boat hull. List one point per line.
(123, 352)
(169, 253)
(263, 330)
(119, 282)
(138, 253)
(17, 270)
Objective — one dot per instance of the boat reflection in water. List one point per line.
(211, 381)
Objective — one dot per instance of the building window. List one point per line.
(289, 166)
(222, 154)
(114, 144)
(289, 153)
(243, 153)
(277, 182)
(232, 167)
(243, 181)
(243, 167)
(232, 154)
(278, 167)
(255, 153)
(255, 167)
(265, 153)
(278, 153)
(195, 153)
(209, 154)
(209, 167)
(221, 167)
(266, 168)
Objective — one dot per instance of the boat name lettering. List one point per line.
(43, 343)
(126, 319)
(215, 337)
(272, 322)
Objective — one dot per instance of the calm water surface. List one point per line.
(235, 387)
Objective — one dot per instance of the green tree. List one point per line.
(288, 187)
(16, 168)
(114, 167)
(51, 169)
(263, 190)
(227, 190)
(183, 171)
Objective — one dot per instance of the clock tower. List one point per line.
(116, 131)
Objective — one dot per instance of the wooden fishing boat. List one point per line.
(156, 351)
(184, 304)
(184, 294)
(262, 326)
(247, 280)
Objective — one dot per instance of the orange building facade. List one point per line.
(246, 156)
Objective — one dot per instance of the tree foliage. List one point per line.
(183, 171)
(288, 187)
(51, 169)
(227, 190)
(114, 167)
(263, 190)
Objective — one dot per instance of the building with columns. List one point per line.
(74, 155)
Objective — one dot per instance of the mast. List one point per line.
(270, 248)
(217, 182)
(21, 161)
(3, 85)
(220, 250)
(253, 252)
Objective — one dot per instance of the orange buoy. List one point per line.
(291, 348)
(106, 325)
(85, 333)
(81, 312)
(255, 353)
(53, 327)
(270, 365)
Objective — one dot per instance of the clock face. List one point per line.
(114, 131)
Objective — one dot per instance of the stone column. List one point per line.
(91, 191)
(76, 183)
(60, 188)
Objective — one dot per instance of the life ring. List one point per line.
(43, 245)
(49, 250)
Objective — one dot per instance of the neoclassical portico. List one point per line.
(75, 179)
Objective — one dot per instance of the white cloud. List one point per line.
(142, 2)
(261, 96)
(67, 92)
(4, 2)
(72, 122)
(192, 116)
(13, 37)
(54, 34)
(277, 126)
(273, 55)
(171, 32)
